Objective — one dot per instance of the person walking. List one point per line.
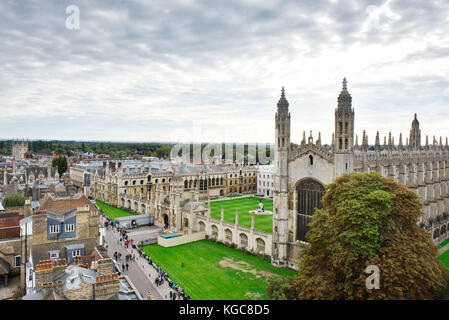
(123, 267)
(127, 265)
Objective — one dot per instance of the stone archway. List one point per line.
(243, 240)
(202, 226)
(309, 193)
(214, 233)
(260, 245)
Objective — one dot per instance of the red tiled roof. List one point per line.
(62, 206)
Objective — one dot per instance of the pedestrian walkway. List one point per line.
(140, 272)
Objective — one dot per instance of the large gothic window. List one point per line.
(310, 193)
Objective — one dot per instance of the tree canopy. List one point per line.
(367, 220)
(61, 163)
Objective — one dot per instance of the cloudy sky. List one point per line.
(182, 70)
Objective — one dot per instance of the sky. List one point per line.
(212, 71)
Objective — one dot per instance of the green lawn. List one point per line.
(112, 212)
(203, 278)
(445, 242)
(444, 257)
(263, 223)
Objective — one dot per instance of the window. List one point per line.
(16, 261)
(54, 228)
(53, 254)
(311, 160)
(69, 228)
(76, 253)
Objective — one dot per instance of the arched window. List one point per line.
(311, 160)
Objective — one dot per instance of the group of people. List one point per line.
(162, 276)
(177, 293)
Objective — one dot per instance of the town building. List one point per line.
(62, 229)
(265, 180)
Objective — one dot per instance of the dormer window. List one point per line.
(55, 228)
(69, 228)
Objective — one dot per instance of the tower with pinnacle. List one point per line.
(415, 135)
(344, 133)
(280, 196)
(19, 149)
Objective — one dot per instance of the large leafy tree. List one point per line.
(61, 163)
(367, 220)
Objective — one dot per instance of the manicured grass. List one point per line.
(263, 223)
(445, 242)
(444, 257)
(203, 278)
(112, 212)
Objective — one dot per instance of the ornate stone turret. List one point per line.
(415, 135)
(280, 196)
(377, 143)
(364, 142)
(344, 133)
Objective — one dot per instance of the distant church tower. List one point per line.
(344, 133)
(19, 149)
(415, 135)
(280, 197)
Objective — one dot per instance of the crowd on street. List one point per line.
(176, 292)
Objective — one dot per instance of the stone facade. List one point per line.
(303, 170)
(265, 180)
(168, 192)
(19, 149)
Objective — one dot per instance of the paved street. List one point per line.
(140, 272)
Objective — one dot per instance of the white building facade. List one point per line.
(265, 180)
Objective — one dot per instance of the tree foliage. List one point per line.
(163, 151)
(14, 200)
(368, 220)
(61, 163)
